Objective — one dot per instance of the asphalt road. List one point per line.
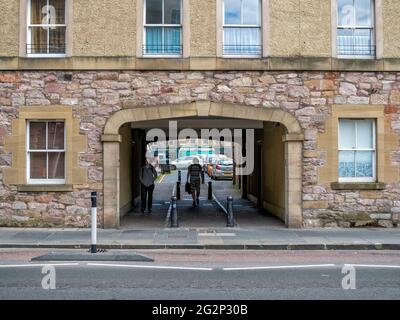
(203, 275)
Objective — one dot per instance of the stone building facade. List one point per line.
(104, 74)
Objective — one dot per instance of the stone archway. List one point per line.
(293, 148)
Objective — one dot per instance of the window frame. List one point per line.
(46, 181)
(372, 28)
(373, 149)
(259, 26)
(162, 26)
(29, 34)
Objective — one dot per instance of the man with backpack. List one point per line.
(194, 176)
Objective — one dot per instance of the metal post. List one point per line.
(174, 213)
(202, 176)
(93, 198)
(209, 190)
(179, 175)
(230, 222)
(178, 190)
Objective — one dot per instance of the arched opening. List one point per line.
(292, 138)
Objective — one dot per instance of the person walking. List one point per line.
(194, 175)
(148, 175)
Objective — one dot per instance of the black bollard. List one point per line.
(230, 222)
(178, 190)
(93, 198)
(174, 213)
(202, 176)
(179, 176)
(209, 190)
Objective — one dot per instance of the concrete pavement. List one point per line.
(206, 238)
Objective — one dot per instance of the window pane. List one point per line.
(56, 165)
(345, 42)
(38, 165)
(363, 13)
(38, 40)
(172, 11)
(346, 13)
(251, 12)
(153, 40)
(38, 12)
(172, 40)
(55, 135)
(363, 42)
(154, 11)
(57, 11)
(347, 134)
(57, 40)
(365, 136)
(242, 41)
(364, 163)
(232, 11)
(37, 135)
(346, 164)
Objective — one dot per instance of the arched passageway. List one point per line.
(292, 148)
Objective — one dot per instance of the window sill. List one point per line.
(46, 56)
(357, 186)
(45, 188)
(244, 56)
(160, 56)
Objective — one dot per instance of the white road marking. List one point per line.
(217, 234)
(162, 178)
(280, 267)
(373, 266)
(146, 267)
(38, 265)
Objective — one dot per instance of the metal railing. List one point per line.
(44, 48)
(356, 50)
(161, 49)
(242, 50)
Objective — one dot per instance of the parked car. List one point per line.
(185, 162)
(208, 166)
(222, 169)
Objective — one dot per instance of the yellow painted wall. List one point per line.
(9, 28)
(274, 170)
(300, 28)
(391, 28)
(203, 28)
(315, 28)
(125, 165)
(104, 27)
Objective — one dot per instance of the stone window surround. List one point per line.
(378, 29)
(373, 149)
(23, 26)
(264, 29)
(140, 30)
(59, 181)
(16, 144)
(385, 141)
